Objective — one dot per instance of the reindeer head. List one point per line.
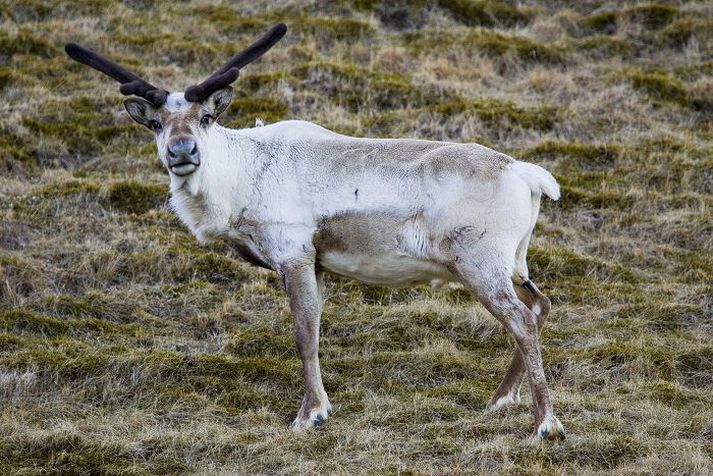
(181, 122)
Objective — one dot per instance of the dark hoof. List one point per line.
(551, 429)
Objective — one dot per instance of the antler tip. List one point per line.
(130, 83)
(73, 49)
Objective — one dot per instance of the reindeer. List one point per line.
(298, 199)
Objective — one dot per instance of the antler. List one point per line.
(231, 69)
(130, 83)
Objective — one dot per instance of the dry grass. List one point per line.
(127, 348)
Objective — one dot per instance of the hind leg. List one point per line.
(494, 288)
(508, 391)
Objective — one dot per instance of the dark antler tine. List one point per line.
(257, 49)
(228, 73)
(93, 60)
(130, 83)
(201, 91)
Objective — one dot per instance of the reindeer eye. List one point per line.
(205, 120)
(156, 126)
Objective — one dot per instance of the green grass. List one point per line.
(128, 348)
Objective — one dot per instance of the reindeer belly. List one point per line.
(379, 249)
(393, 270)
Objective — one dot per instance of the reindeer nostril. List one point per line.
(171, 154)
(194, 150)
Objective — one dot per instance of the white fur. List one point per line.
(539, 180)
(176, 102)
(512, 398)
(389, 269)
(271, 188)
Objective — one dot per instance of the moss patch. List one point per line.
(576, 155)
(251, 108)
(652, 16)
(607, 453)
(21, 321)
(334, 29)
(74, 187)
(561, 263)
(602, 47)
(495, 45)
(664, 316)
(258, 344)
(25, 42)
(360, 89)
(600, 23)
(659, 86)
(487, 13)
(81, 124)
(65, 453)
(136, 197)
(495, 113)
(680, 32)
(91, 305)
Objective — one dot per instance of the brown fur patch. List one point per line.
(357, 232)
(179, 123)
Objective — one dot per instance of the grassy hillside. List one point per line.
(127, 348)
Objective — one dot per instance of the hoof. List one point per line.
(551, 429)
(318, 421)
(311, 419)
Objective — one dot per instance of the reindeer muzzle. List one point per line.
(183, 157)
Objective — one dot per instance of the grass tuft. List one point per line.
(604, 23)
(652, 16)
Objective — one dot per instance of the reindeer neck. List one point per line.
(207, 201)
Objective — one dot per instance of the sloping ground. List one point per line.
(127, 348)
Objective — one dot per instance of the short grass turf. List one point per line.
(125, 348)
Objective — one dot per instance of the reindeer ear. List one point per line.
(141, 111)
(217, 102)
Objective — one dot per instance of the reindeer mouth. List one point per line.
(183, 157)
(186, 167)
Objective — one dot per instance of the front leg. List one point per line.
(303, 288)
